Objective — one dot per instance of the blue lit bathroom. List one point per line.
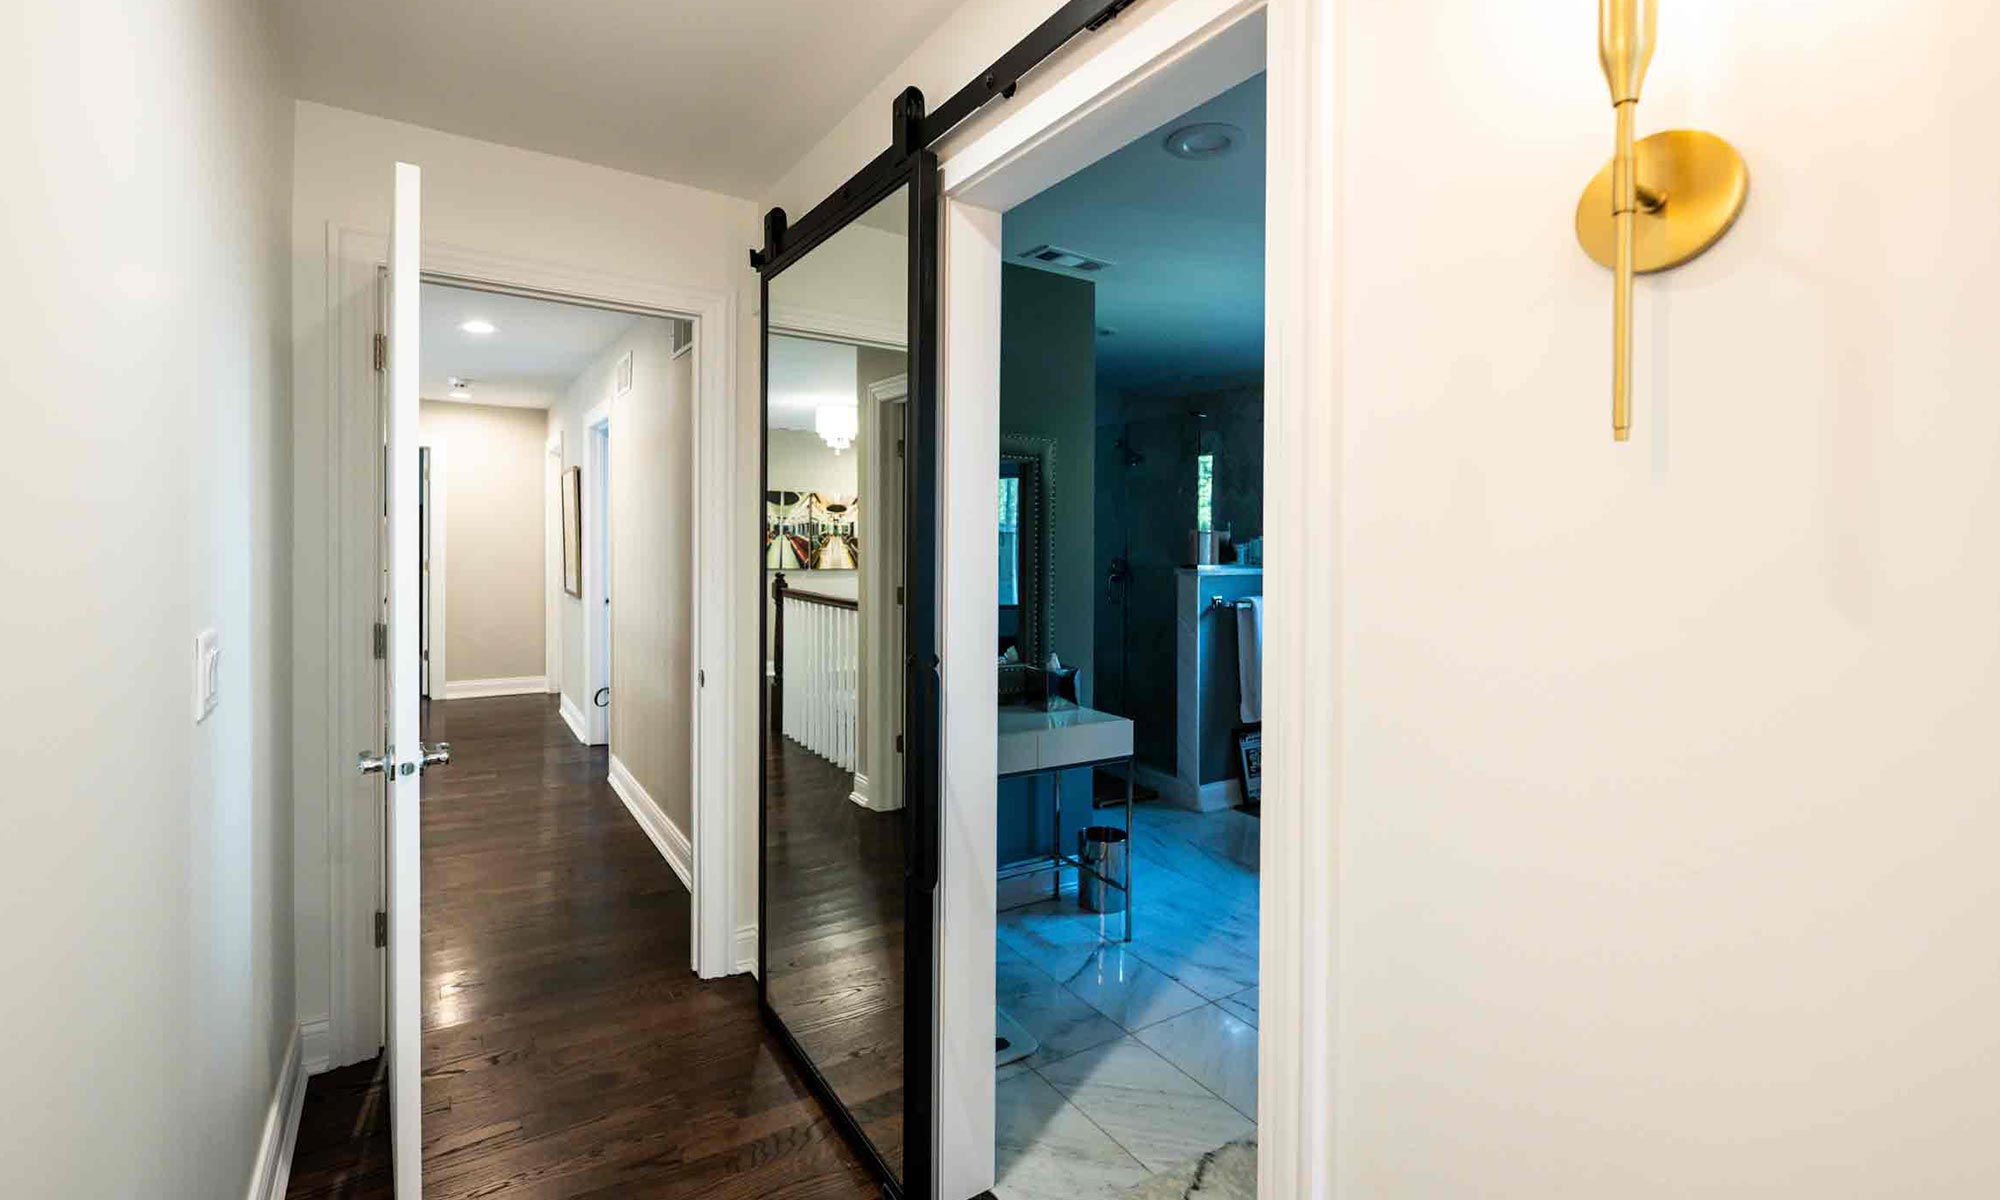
(1130, 587)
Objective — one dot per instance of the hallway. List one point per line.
(569, 1050)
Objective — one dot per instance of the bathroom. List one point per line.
(1130, 586)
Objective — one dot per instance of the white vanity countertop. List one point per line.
(1032, 739)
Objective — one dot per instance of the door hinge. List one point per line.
(899, 593)
(899, 743)
(381, 928)
(381, 352)
(381, 640)
(899, 447)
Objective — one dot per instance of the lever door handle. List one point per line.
(372, 764)
(437, 754)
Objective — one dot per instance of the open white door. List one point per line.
(404, 758)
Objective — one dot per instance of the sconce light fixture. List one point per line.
(1660, 202)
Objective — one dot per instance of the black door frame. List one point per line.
(908, 162)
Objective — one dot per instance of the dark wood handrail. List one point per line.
(792, 593)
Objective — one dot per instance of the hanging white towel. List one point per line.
(1250, 656)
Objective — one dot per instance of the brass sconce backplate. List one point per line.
(1691, 186)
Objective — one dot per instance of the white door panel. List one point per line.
(405, 752)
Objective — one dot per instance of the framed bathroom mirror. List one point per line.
(849, 768)
(1026, 583)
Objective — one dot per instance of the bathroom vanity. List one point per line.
(1038, 741)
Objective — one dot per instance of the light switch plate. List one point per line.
(207, 673)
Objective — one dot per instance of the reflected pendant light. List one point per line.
(836, 424)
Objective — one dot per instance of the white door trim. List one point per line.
(596, 572)
(353, 836)
(552, 562)
(1096, 101)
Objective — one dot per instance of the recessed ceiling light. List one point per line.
(478, 326)
(1206, 139)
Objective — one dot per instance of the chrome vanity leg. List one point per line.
(1131, 849)
(1055, 785)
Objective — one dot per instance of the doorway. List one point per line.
(1130, 534)
(1170, 61)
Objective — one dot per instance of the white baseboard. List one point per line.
(1223, 793)
(672, 843)
(573, 717)
(271, 1172)
(861, 797)
(746, 949)
(1182, 793)
(479, 689)
(316, 1045)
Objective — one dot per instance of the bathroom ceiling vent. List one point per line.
(1068, 260)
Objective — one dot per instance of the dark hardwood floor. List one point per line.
(835, 875)
(569, 1051)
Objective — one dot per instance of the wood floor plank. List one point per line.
(569, 1050)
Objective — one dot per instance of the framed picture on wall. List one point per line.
(572, 531)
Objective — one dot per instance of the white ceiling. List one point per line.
(536, 349)
(721, 94)
(806, 373)
(1184, 296)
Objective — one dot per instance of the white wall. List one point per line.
(652, 588)
(1669, 818)
(146, 883)
(490, 200)
(965, 44)
(488, 474)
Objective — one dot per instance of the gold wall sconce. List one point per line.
(1659, 202)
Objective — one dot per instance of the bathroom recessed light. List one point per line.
(1205, 139)
(478, 326)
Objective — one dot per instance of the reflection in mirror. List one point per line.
(1024, 575)
(835, 823)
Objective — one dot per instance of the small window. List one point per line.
(1204, 492)
(1010, 540)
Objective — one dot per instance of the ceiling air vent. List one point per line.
(1068, 260)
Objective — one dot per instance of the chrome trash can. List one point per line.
(1103, 849)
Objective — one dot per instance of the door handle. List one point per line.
(435, 755)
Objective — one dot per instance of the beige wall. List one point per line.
(146, 878)
(652, 549)
(492, 485)
(1669, 821)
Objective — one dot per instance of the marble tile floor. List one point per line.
(1148, 1049)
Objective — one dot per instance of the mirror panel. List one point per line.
(837, 833)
